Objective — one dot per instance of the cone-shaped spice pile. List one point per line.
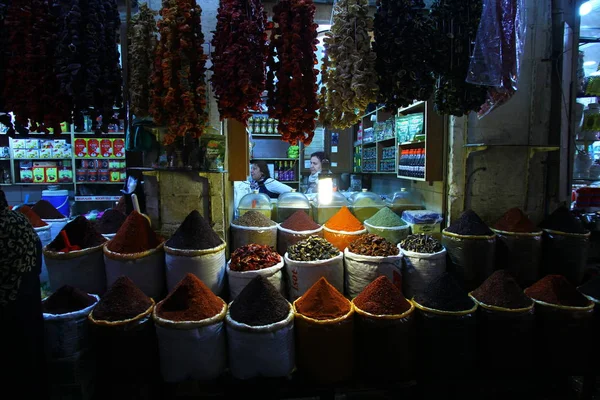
(259, 303)
(123, 300)
(194, 233)
(556, 289)
(381, 297)
(190, 300)
(515, 220)
(563, 220)
(501, 290)
(345, 221)
(33, 218)
(134, 236)
(81, 232)
(67, 299)
(323, 301)
(110, 222)
(46, 210)
(300, 221)
(470, 224)
(445, 294)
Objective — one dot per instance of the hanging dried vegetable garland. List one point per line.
(404, 52)
(3, 48)
(178, 82)
(30, 85)
(325, 112)
(142, 38)
(239, 58)
(293, 96)
(351, 81)
(455, 24)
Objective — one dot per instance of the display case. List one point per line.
(255, 201)
(366, 204)
(290, 202)
(405, 199)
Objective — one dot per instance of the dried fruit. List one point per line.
(373, 245)
(313, 248)
(252, 257)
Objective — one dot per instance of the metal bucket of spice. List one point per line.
(124, 338)
(521, 253)
(564, 319)
(447, 330)
(324, 334)
(260, 332)
(251, 260)
(366, 259)
(385, 327)
(190, 331)
(309, 260)
(565, 254)
(424, 261)
(506, 325)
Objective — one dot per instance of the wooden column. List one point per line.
(238, 151)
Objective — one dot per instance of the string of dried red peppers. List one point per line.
(178, 82)
(239, 58)
(292, 59)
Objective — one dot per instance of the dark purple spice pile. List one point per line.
(81, 232)
(111, 221)
(122, 301)
(67, 299)
(563, 220)
(195, 233)
(470, 224)
(445, 293)
(501, 290)
(259, 303)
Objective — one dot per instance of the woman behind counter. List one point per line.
(262, 181)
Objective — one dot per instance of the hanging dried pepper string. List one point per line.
(351, 80)
(239, 58)
(292, 98)
(142, 37)
(404, 50)
(178, 82)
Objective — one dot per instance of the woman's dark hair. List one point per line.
(3, 202)
(320, 155)
(262, 166)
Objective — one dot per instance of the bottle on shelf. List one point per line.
(276, 170)
(251, 125)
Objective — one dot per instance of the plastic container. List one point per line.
(366, 204)
(59, 199)
(405, 200)
(326, 210)
(255, 201)
(424, 221)
(290, 202)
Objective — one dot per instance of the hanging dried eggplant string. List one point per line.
(239, 58)
(142, 37)
(455, 25)
(404, 51)
(351, 80)
(325, 113)
(179, 82)
(291, 79)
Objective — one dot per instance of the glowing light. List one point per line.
(585, 8)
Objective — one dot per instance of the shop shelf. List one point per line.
(99, 183)
(6, 184)
(412, 144)
(99, 158)
(43, 183)
(41, 159)
(97, 198)
(266, 135)
(275, 159)
(416, 104)
(412, 178)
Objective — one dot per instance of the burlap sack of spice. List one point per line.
(239, 279)
(361, 270)
(420, 269)
(341, 239)
(301, 275)
(208, 265)
(521, 254)
(471, 258)
(287, 237)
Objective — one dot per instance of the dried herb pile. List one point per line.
(142, 38)
(313, 248)
(421, 243)
(349, 76)
(373, 245)
(239, 58)
(292, 79)
(252, 257)
(403, 43)
(178, 82)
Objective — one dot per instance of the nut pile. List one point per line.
(421, 243)
(373, 245)
(313, 248)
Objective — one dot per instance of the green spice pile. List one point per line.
(252, 257)
(255, 219)
(386, 218)
(373, 245)
(421, 243)
(313, 248)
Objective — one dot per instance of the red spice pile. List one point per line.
(46, 210)
(134, 236)
(300, 221)
(501, 290)
(252, 257)
(190, 300)
(515, 220)
(67, 299)
(33, 218)
(123, 300)
(381, 297)
(81, 232)
(556, 289)
(323, 301)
